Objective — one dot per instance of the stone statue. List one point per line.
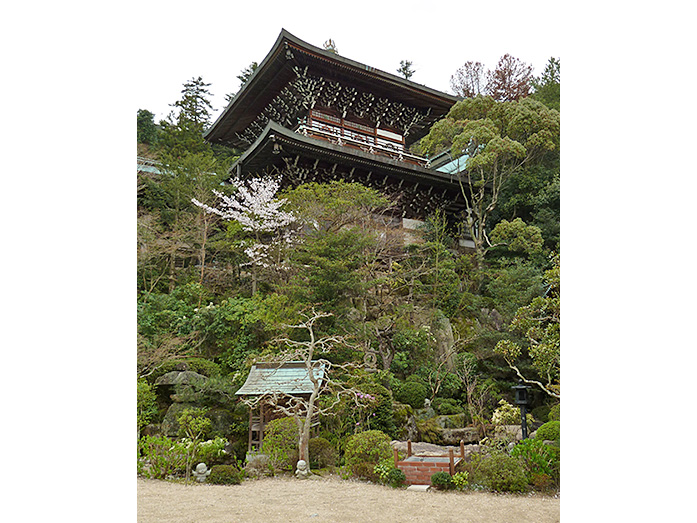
(302, 472)
(201, 472)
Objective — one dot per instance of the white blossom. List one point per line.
(256, 208)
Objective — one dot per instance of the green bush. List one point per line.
(147, 404)
(164, 457)
(412, 393)
(322, 454)
(442, 481)
(460, 480)
(364, 450)
(554, 413)
(383, 468)
(211, 452)
(541, 413)
(541, 461)
(447, 406)
(281, 443)
(548, 431)
(225, 475)
(396, 478)
(430, 431)
(499, 472)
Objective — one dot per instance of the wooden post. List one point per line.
(452, 461)
(408, 447)
(462, 449)
(396, 457)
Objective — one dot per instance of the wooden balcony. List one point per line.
(364, 142)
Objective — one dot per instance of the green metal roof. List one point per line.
(454, 166)
(287, 378)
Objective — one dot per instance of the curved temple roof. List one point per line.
(277, 70)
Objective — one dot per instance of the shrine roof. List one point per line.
(277, 70)
(286, 378)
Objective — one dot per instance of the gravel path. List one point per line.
(331, 500)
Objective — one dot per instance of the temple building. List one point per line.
(309, 114)
(273, 384)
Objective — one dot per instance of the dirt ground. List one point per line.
(331, 500)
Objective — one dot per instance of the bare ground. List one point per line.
(331, 500)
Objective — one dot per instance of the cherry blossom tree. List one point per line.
(259, 212)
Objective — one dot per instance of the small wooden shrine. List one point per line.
(310, 114)
(272, 384)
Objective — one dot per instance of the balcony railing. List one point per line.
(369, 144)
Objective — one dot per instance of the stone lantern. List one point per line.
(521, 399)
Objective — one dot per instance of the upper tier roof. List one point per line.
(277, 70)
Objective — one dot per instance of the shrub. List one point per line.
(499, 472)
(225, 475)
(447, 406)
(554, 413)
(460, 480)
(430, 431)
(164, 456)
(322, 454)
(211, 451)
(281, 443)
(147, 404)
(507, 414)
(383, 469)
(548, 431)
(396, 478)
(412, 393)
(541, 461)
(541, 413)
(442, 481)
(364, 450)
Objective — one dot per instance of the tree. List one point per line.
(405, 69)
(182, 131)
(246, 73)
(193, 425)
(147, 130)
(259, 212)
(539, 323)
(319, 371)
(469, 80)
(547, 85)
(510, 81)
(497, 139)
(243, 77)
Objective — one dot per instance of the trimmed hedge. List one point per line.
(549, 431)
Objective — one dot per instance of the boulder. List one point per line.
(177, 377)
(509, 431)
(170, 425)
(468, 435)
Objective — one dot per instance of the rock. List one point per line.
(170, 425)
(454, 436)
(509, 431)
(257, 465)
(177, 377)
(451, 421)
